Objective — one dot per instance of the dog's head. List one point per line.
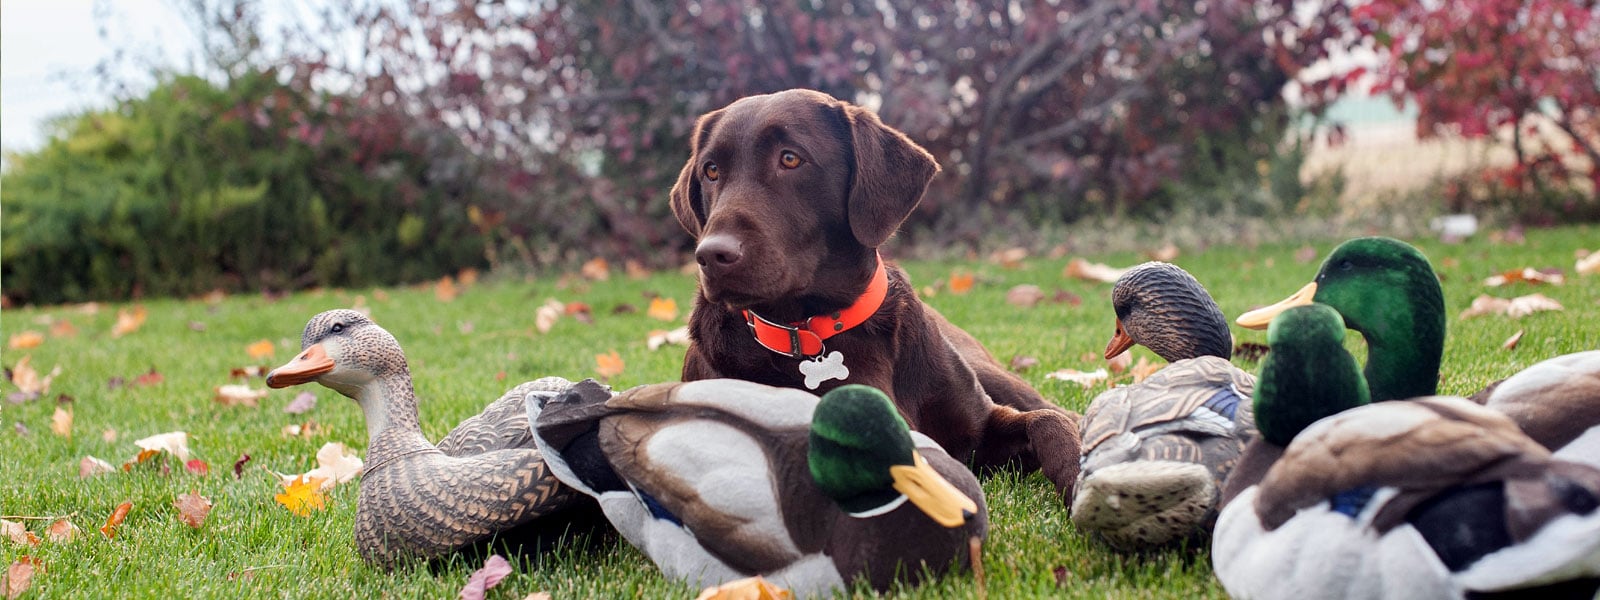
(784, 188)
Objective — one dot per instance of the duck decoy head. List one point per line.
(1362, 278)
(341, 349)
(1162, 307)
(1307, 375)
(861, 455)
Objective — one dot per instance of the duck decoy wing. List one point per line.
(1205, 395)
(1420, 447)
(503, 424)
(1555, 401)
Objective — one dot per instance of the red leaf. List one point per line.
(238, 465)
(197, 466)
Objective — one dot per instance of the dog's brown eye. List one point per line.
(712, 172)
(789, 160)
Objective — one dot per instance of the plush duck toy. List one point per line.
(1156, 452)
(1386, 290)
(1435, 497)
(485, 479)
(721, 480)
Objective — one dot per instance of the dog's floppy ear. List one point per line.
(685, 195)
(891, 173)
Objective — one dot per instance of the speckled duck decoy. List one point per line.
(484, 479)
(1156, 452)
(1435, 497)
(720, 480)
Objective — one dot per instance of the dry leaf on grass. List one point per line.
(26, 340)
(663, 309)
(1144, 369)
(960, 283)
(128, 321)
(19, 576)
(1518, 307)
(61, 422)
(61, 531)
(173, 442)
(445, 289)
(608, 365)
(1085, 378)
(29, 381)
(18, 533)
(1119, 363)
(546, 316)
(238, 466)
(1082, 269)
(151, 378)
(579, 311)
(597, 269)
(1511, 342)
(260, 349)
(192, 509)
(303, 402)
(677, 337)
(302, 430)
(1588, 264)
(537, 596)
(336, 464)
(1020, 363)
(1010, 258)
(635, 269)
(1525, 275)
(234, 394)
(63, 328)
(90, 466)
(301, 494)
(494, 569)
(741, 590)
(117, 516)
(1025, 295)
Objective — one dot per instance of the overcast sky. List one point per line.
(48, 50)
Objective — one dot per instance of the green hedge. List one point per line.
(244, 186)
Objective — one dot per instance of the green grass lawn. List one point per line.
(250, 546)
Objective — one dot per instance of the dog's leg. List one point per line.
(1044, 439)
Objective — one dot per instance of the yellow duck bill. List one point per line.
(932, 493)
(1261, 317)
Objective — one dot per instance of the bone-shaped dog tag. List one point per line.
(823, 369)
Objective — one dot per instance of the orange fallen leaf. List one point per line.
(26, 340)
(63, 328)
(117, 516)
(19, 576)
(301, 495)
(144, 456)
(192, 509)
(260, 350)
(61, 531)
(445, 290)
(128, 321)
(1085, 378)
(467, 276)
(1079, 268)
(741, 589)
(234, 395)
(960, 283)
(1511, 342)
(663, 309)
(608, 365)
(596, 269)
(61, 422)
(28, 380)
(1524, 275)
(90, 466)
(18, 533)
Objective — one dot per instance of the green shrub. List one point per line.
(246, 186)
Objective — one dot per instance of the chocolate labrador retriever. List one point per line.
(790, 195)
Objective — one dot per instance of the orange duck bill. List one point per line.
(314, 361)
(1120, 342)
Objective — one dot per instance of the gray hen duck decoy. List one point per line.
(1155, 453)
(420, 500)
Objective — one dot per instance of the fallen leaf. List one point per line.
(658, 338)
(494, 569)
(61, 422)
(608, 365)
(109, 435)
(546, 316)
(1518, 307)
(1020, 363)
(192, 509)
(18, 533)
(197, 466)
(1010, 258)
(1065, 297)
(173, 442)
(1525, 275)
(144, 457)
(19, 576)
(579, 311)
(238, 466)
(301, 495)
(537, 596)
(597, 269)
(61, 531)
(248, 372)
(1588, 265)
(117, 516)
(1084, 378)
(1063, 576)
(234, 394)
(1144, 369)
(303, 402)
(128, 321)
(624, 309)
(467, 276)
(1079, 268)
(260, 350)
(303, 430)
(740, 590)
(1511, 342)
(28, 380)
(26, 340)
(336, 464)
(90, 466)
(63, 328)
(151, 378)
(445, 290)
(960, 283)
(1119, 363)
(1025, 295)
(1166, 253)
(663, 309)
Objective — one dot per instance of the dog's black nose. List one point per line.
(718, 252)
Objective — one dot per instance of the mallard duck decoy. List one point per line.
(1156, 452)
(719, 480)
(1387, 291)
(1436, 497)
(485, 479)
